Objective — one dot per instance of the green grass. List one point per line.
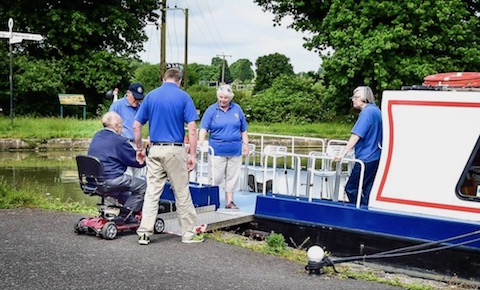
(31, 196)
(48, 128)
(334, 130)
(274, 244)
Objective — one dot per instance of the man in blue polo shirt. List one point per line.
(167, 109)
(127, 107)
(116, 155)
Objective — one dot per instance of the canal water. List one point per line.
(51, 173)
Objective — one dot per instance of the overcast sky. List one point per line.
(235, 28)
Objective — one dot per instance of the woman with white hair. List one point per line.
(366, 137)
(227, 127)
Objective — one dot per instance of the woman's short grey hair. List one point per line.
(366, 94)
(225, 90)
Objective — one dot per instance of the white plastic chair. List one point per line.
(270, 152)
(250, 158)
(202, 171)
(323, 170)
(327, 172)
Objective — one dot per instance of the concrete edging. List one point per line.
(10, 144)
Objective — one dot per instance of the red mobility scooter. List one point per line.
(109, 221)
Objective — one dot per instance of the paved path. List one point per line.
(40, 251)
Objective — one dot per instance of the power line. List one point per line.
(201, 32)
(215, 24)
(206, 24)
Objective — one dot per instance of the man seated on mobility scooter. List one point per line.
(117, 154)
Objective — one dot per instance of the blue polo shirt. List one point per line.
(127, 112)
(167, 109)
(369, 128)
(114, 152)
(225, 129)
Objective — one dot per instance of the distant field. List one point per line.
(48, 128)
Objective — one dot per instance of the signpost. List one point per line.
(72, 99)
(15, 37)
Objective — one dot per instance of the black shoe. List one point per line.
(131, 220)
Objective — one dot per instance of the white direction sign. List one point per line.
(17, 37)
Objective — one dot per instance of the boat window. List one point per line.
(469, 185)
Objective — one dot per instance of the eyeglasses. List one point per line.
(354, 97)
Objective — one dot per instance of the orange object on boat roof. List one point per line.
(453, 79)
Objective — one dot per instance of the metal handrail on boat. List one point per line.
(338, 173)
(297, 159)
(292, 140)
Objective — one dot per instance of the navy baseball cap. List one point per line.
(137, 90)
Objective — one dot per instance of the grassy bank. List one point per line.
(34, 196)
(48, 128)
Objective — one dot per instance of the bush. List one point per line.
(291, 99)
(276, 244)
(203, 96)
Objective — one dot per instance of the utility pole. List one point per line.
(15, 37)
(185, 66)
(163, 33)
(223, 66)
(163, 63)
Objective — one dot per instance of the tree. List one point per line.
(38, 84)
(385, 44)
(291, 98)
(242, 70)
(94, 41)
(204, 72)
(269, 67)
(147, 74)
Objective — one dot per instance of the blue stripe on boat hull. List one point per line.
(346, 216)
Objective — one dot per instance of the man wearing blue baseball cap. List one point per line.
(127, 108)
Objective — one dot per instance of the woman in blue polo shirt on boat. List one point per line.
(227, 127)
(366, 138)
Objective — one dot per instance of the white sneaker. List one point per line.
(144, 240)
(193, 240)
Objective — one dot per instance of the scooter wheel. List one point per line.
(109, 231)
(78, 228)
(159, 226)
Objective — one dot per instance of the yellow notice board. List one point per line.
(72, 99)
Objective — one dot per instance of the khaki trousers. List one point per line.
(168, 162)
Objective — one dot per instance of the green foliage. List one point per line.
(384, 44)
(269, 67)
(47, 128)
(149, 76)
(242, 98)
(290, 99)
(242, 70)
(43, 129)
(276, 244)
(208, 73)
(296, 255)
(202, 96)
(89, 47)
(37, 84)
(30, 196)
